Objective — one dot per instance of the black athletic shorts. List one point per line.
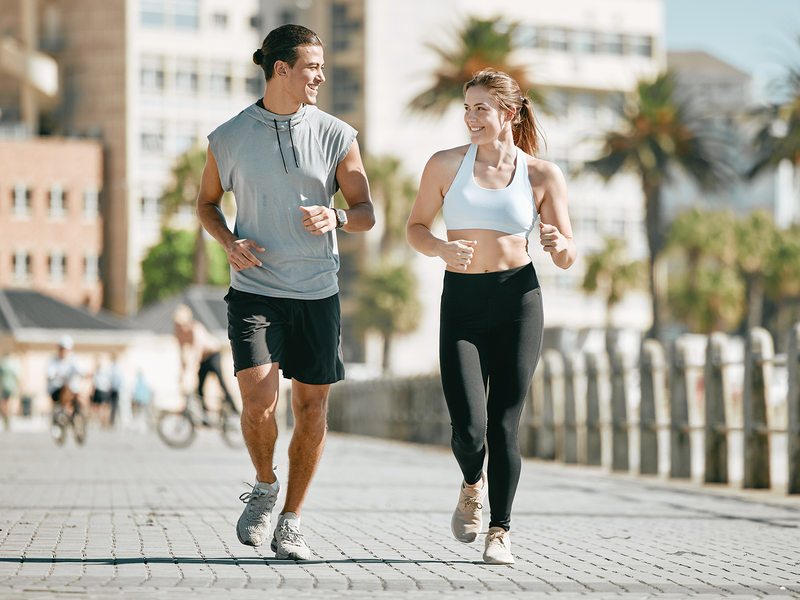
(303, 336)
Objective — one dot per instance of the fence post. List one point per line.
(793, 410)
(574, 408)
(759, 352)
(554, 385)
(686, 408)
(620, 460)
(716, 443)
(598, 391)
(545, 432)
(653, 369)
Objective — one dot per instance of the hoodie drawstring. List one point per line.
(291, 139)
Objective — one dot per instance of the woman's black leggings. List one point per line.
(490, 335)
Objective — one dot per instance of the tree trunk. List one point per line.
(655, 241)
(387, 352)
(755, 299)
(200, 261)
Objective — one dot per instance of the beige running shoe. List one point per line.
(498, 547)
(467, 520)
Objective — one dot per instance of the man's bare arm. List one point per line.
(209, 211)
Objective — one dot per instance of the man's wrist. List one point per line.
(340, 216)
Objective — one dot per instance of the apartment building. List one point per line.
(51, 231)
(148, 79)
(583, 55)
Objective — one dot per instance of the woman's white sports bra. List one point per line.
(511, 209)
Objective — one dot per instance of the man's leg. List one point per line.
(310, 408)
(259, 388)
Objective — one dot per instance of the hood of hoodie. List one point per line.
(274, 120)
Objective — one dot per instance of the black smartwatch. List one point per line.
(341, 218)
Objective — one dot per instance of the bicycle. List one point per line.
(178, 429)
(62, 422)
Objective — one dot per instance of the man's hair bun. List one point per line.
(258, 56)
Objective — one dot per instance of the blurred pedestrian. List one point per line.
(142, 393)
(284, 159)
(9, 385)
(64, 374)
(493, 193)
(101, 396)
(199, 353)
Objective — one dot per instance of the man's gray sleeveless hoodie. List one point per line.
(274, 164)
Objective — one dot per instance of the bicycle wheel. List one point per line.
(79, 427)
(176, 429)
(58, 428)
(230, 423)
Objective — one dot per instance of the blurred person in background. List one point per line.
(199, 354)
(494, 193)
(142, 393)
(101, 380)
(284, 159)
(64, 374)
(9, 385)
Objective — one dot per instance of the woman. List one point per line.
(492, 193)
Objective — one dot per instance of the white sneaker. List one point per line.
(253, 526)
(287, 542)
(467, 519)
(498, 547)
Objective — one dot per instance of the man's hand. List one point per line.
(239, 255)
(318, 219)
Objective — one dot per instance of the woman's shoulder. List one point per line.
(542, 171)
(447, 158)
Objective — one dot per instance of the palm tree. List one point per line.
(782, 278)
(655, 138)
(755, 238)
(613, 275)
(387, 299)
(186, 176)
(478, 45)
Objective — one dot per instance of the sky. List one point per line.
(758, 37)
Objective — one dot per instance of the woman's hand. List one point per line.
(457, 254)
(552, 240)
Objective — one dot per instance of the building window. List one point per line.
(151, 207)
(585, 42)
(56, 201)
(219, 78)
(615, 44)
(587, 104)
(152, 13)
(254, 85)
(186, 76)
(58, 266)
(255, 22)
(345, 90)
(91, 203)
(152, 137)
(558, 103)
(91, 267)
(152, 74)
(641, 45)
(219, 20)
(186, 14)
(287, 16)
(557, 39)
(342, 27)
(185, 138)
(22, 200)
(526, 36)
(22, 265)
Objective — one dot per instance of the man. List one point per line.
(64, 374)
(284, 159)
(199, 349)
(9, 385)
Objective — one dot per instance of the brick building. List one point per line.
(51, 231)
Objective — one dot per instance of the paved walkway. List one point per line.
(126, 515)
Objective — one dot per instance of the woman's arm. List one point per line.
(435, 177)
(555, 230)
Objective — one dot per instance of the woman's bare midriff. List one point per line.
(494, 251)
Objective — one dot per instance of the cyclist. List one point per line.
(198, 347)
(64, 374)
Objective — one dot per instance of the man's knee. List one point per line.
(310, 408)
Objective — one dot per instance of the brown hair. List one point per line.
(281, 44)
(505, 91)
